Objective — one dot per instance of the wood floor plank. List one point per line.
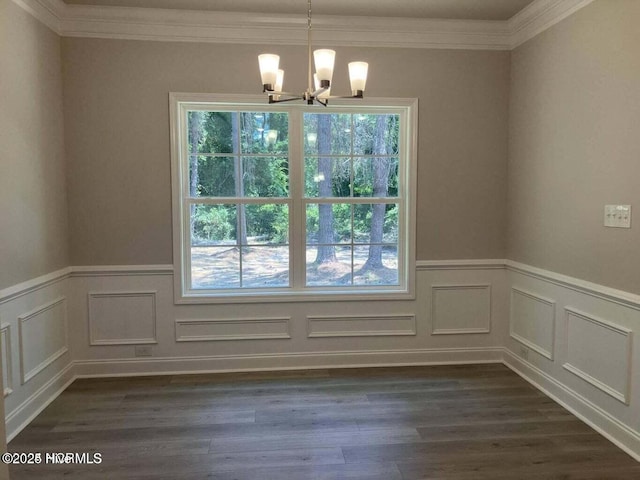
(313, 440)
(536, 465)
(374, 471)
(447, 422)
(125, 422)
(530, 429)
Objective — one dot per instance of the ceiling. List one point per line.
(433, 9)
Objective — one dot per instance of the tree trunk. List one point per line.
(242, 217)
(195, 134)
(381, 168)
(326, 253)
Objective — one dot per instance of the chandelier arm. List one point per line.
(287, 94)
(319, 92)
(281, 100)
(358, 94)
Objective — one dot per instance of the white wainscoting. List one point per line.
(210, 330)
(43, 337)
(35, 348)
(460, 309)
(122, 318)
(314, 334)
(347, 334)
(7, 369)
(595, 371)
(532, 321)
(360, 326)
(599, 352)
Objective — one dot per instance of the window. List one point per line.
(292, 202)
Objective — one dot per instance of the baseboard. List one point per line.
(24, 414)
(617, 432)
(290, 361)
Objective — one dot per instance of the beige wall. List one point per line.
(33, 209)
(575, 145)
(117, 137)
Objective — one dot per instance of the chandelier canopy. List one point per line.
(319, 86)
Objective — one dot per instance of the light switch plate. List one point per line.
(617, 216)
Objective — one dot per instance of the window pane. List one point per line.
(375, 265)
(376, 134)
(328, 265)
(211, 176)
(375, 177)
(328, 223)
(211, 132)
(265, 177)
(327, 177)
(213, 225)
(327, 133)
(377, 223)
(264, 132)
(215, 267)
(266, 224)
(264, 267)
(242, 158)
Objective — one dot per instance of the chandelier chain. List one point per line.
(310, 73)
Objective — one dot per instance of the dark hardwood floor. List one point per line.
(449, 422)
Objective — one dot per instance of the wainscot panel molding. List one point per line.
(209, 330)
(621, 297)
(7, 366)
(599, 352)
(471, 264)
(595, 372)
(460, 309)
(30, 286)
(43, 337)
(532, 321)
(121, 270)
(232, 27)
(122, 317)
(35, 346)
(361, 326)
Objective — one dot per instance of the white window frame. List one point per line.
(407, 109)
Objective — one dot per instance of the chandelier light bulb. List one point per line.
(324, 60)
(358, 76)
(269, 68)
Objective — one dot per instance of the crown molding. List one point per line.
(48, 12)
(232, 27)
(540, 15)
(251, 28)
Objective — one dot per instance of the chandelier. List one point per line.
(319, 86)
